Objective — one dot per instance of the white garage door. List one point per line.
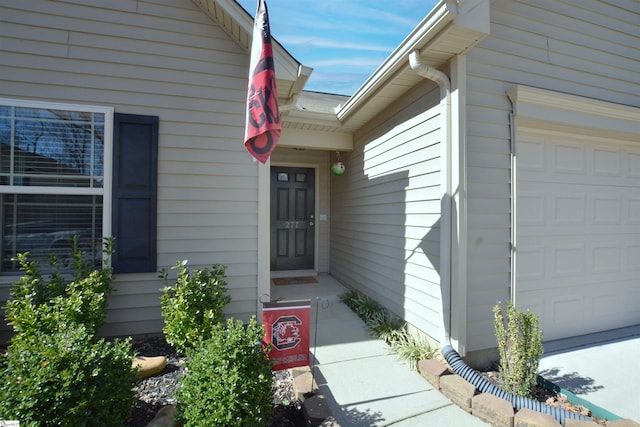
(577, 233)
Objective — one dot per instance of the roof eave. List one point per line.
(451, 28)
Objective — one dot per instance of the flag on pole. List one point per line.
(263, 126)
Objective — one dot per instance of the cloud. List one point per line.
(331, 43)
(343, 41)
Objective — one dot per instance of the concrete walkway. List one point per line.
(363, 383)
(606, 374)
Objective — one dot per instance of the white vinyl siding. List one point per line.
(586, 48)
(167, 59)
(385, 210)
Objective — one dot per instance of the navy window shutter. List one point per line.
(135, 183)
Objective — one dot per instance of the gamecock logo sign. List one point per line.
(286, 327)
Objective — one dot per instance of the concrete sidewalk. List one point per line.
(606, 374)
(364, 384)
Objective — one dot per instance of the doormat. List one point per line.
(294, 280)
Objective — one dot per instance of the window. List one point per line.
(55, 169)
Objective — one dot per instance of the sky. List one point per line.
(344, 41)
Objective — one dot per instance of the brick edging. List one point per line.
(490, 408)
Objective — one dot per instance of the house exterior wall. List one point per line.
(385, 210)
(163, 58)
(584, 48)
(320, 160)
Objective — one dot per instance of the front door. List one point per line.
(292, 218)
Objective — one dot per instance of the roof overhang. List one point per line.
(291, 76)
(450, 29)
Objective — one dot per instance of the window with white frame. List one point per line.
(54, 180)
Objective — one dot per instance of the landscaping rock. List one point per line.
(570, 422)
(164, 417)
(492, 409)
(432, 370)
(531, 418)
(458, 390)
(316, 411)
(303, 382)
(149, 366)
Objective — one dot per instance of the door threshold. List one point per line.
(293, 273)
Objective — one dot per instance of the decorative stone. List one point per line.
(316, 411)
(531, 418)
(431, 370)
(458, 390)
(492, 409)
(303, 382)
(149, 366)
(164, 417)
(570, 422)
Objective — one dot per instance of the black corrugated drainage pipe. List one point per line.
(485, 386)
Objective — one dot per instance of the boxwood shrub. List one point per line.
(228, 381)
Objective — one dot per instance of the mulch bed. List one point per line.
(157, 391)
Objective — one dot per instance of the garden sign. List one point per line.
(286, 328)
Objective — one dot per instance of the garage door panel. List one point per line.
(576, 310)
(578, 233)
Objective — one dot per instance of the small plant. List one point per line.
(349, 298)
(194, 305)
(66, 378)
(228, 380)
(366, 308)
(520, 349)
(387, 327)
(412, 349)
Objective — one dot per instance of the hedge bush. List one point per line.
(194, 305)
(40, 305)
(67, 378)
(228, 381)
(57, 372)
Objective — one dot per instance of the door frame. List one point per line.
(264, 227)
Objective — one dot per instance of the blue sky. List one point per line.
(344, 41)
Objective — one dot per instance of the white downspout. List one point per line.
(445, 220)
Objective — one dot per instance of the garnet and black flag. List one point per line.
(263, 126)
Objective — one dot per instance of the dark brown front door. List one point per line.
(292, 218)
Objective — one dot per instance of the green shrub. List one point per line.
(39, 305)
(194, 305)
(228, 381)
(520, 348)
(67, 378)
(56, 371)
